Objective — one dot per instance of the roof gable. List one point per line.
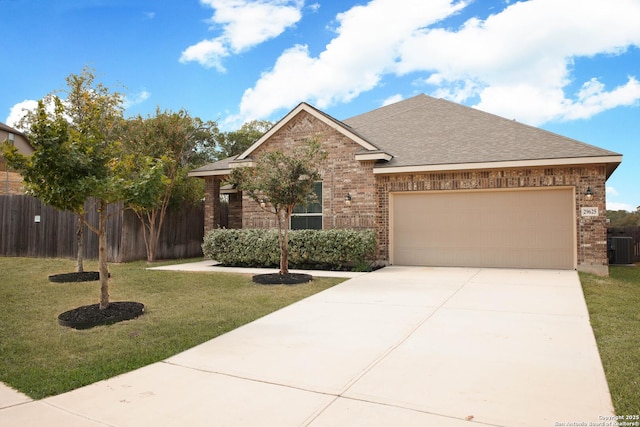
(323, 117)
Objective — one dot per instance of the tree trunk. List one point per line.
(80, 237)
(283, 240)
(102, 255)
(153, 240)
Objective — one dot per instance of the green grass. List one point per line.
(614, 308)
(40, 358)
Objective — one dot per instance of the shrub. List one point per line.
(330, 249)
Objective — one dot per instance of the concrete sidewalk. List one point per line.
(403, 346)
(214, 267)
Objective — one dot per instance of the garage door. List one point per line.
(518, 229)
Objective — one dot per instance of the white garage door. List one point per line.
(517, 229)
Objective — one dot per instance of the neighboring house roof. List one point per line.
(25, 147)
(428, 134)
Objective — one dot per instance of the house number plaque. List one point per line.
(589, 211)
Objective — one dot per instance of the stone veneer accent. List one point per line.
(591, 231)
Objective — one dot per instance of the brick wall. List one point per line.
(591, 231)
(10, 183)
(210, 186)
(235, 210)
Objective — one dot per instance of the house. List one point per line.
(443, 185)
(12, 181)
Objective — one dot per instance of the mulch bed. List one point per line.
(89, 316)
(282, 279)
(85, 276)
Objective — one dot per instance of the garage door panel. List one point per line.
(519, 229)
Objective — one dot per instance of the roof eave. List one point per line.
(380, 155)
(200, 174)
(612, 163)
(248, 162)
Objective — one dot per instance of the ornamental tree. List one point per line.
(157, 155)
(280, 182)
(78, 155)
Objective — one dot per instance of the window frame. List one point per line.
(308, 211)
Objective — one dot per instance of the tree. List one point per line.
(622, 218)
(235, 142)
(79, 155)
(54, 173)
(157, 156)
(280, 182)
(95, 117)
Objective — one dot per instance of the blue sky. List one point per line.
(567, 66)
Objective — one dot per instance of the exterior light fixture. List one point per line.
(347, 199)
(262, 203)
(589, 194)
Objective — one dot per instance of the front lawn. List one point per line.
(40, 358)
(614, 308)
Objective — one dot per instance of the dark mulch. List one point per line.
(85, 276)
(89, 316)
(282, 279)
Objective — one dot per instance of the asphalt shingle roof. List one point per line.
(427, 131)
(215, 166)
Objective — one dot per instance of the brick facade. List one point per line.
(369, 209)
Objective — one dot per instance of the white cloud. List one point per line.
(612, 191)
(245, 24)
(615, 206)
(518, 62)
(136, 98)
(392, 99)
(18, 111)
(366, 45)
(593, 98)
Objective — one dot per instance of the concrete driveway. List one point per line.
(403, 346)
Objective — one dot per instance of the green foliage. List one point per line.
(57, 172)
(336, 248)
(235, 142)
(95, 117)
(623, 218)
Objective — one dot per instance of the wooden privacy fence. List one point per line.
(633, 232)
(30, 228)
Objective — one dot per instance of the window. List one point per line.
(309, 216)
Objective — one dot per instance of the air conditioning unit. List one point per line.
(622, 248)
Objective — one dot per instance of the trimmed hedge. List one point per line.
(328, 249)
